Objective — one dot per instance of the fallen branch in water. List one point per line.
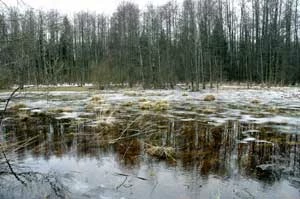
(127, 175)
(1, 124)
(7, 102)
(11, 169)
(56, 186)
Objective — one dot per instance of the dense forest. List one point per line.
(202, 43)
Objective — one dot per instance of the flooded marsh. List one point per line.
(152, 144)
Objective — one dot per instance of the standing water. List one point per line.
(153, 144)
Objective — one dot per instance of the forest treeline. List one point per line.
(201, 42)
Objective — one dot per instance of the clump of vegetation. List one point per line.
(129, 149)
(94, 102)
(67, 109)
(38, 113)
(90, 107)
(161, 105)
(128, 104)
(146, 105)
(156, 106)
(209, 111)
(161, 152)
(61, 110)
(255, 101)
(209, 98)
(23, 116)
(142, 100)
(185, 95)
(17, 107)
(131, 93)
(274, 110)
(97, 99)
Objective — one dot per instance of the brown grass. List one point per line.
(209, 98)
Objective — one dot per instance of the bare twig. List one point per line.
(127, 175)
(127, 149)
(125, 130)
(132, 136)
(3, 3)
(7, 102)
(122, 183)
(55, 185)
(2, 150)
(11, 169)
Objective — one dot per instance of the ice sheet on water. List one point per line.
(69, 115)
(295, 121)
(249, 139)
(231, 103)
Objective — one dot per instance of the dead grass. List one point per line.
(128, 104)
(143, 100)
(255, 101)
(97, 99)
(155, 106)
(90, 107)
(209, 111)
(61, 110)
(17, 107)
(209, 98)
(161, 152)
(131, 93)
(146, 105)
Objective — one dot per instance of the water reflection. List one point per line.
(235, 155)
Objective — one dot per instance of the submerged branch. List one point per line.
(7, 103)
(126, 177)
(1, 124)
(11, 169)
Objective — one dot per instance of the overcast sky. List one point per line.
(70, 6)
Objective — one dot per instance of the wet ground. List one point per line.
(152, 144)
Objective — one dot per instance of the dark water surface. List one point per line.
(234, 160)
